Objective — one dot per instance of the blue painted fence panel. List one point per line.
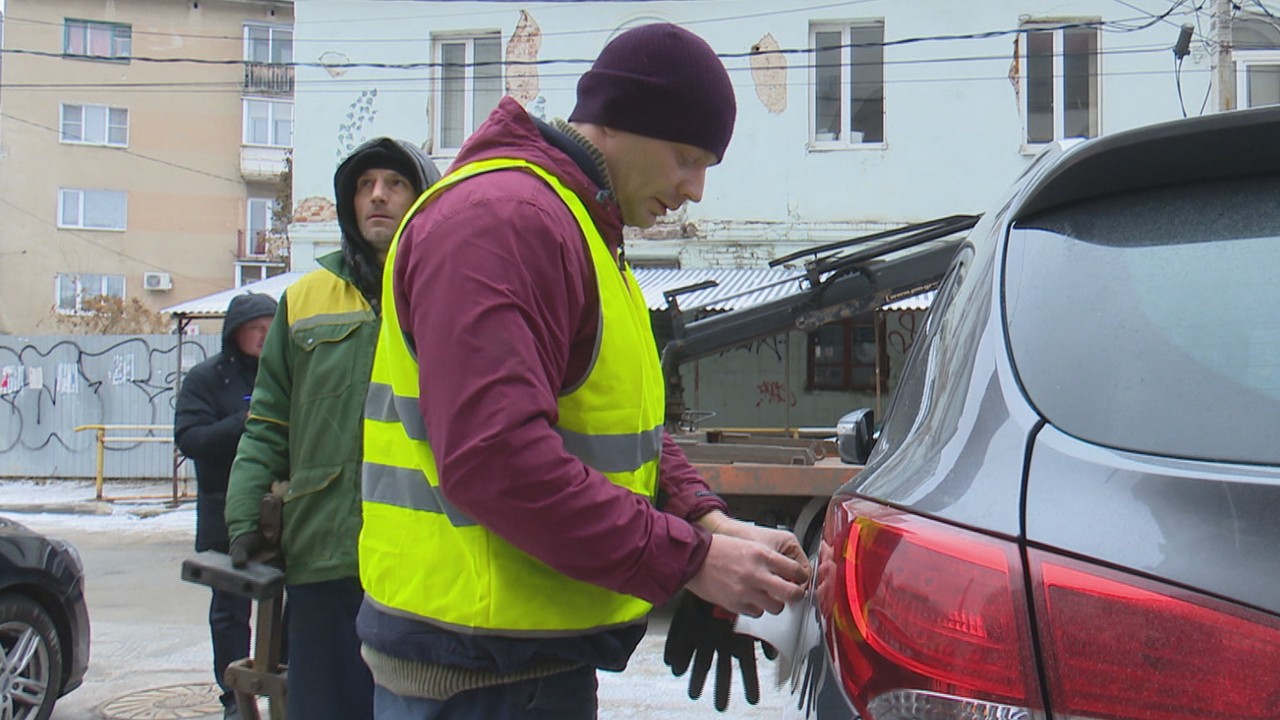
(51, 384)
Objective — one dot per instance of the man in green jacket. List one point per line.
(304, 429)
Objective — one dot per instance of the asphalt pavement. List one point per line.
(150, 656)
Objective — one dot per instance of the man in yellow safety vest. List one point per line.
(523, 507)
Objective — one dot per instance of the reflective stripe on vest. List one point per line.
(422, 557)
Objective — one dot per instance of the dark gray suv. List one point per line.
(44, 625)
(1072, 510)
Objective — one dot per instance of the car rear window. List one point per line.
(1150, 321)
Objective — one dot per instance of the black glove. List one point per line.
(244, 547)
(703, 632)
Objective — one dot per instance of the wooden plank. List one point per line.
(743, 478)
(733, 453)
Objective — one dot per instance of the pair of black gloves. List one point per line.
(702, 634)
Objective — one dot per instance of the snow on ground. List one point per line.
(130, 507)
(645, 691)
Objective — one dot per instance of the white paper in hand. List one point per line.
(781, 631)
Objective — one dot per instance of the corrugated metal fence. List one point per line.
(51, 384)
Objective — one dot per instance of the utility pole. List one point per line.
(1225, 76)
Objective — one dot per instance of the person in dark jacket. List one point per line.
(208, 421)
(304, 431)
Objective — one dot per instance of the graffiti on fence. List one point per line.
(775, 392)
(902, 334)
(776, 346)
(49, 386)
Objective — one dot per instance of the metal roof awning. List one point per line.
(736, 288)
(915, 302)
(215, 305)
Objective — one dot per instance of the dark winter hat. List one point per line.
(382, 158)
(663, 82)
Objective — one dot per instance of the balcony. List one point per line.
(270, 248)
(261, 163)
(268, 79)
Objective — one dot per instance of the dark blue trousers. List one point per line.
(566, 696)
(328, 679)
(229, 625)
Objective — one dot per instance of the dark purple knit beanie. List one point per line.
(660, 81)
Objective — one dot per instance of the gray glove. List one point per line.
(244, 547)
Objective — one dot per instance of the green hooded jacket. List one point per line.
(305, 418)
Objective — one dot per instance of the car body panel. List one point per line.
(1176, 520)
(964, 444)
(49, 571)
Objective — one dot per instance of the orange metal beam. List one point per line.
(819, 480)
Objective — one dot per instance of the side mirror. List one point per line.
(855, 436)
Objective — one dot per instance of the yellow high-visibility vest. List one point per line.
(422, 557)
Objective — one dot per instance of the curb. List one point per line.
(93, 507)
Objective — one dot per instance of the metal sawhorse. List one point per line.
(263, 674)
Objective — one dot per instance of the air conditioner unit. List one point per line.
(157, 281)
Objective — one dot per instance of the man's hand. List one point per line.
(244, 547)
(783, 541)
(703, 633)
(751, 570)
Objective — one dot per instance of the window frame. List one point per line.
(1246, 60)
(265, 269)
(249, 245)
(120, 39)
(78, 290)
(846, 85)
(272, 103)
(271, 43)
(1058, 78)
(852, 330)
(106, 129)
(82, 193)
(469, 119)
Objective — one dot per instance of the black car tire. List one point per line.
(19, 616)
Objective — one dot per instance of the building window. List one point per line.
(272, 44)
(250, 272)
(1061, 82)
(847, 356)
(268, 122)
(848, 84)
(268, 54)
(1257, 78)
(95, 125)
(93, 209)
(470, 85)
(93, 39)
(75, 289)
(261, 226)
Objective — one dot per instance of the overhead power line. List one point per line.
(382, 39)
(1119, 26)
(113, 249)
(127, 151)
(237, 86)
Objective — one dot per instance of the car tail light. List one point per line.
(1119, 647)
(927, 621)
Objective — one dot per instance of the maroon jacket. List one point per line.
(497, 291)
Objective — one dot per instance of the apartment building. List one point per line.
(142, 147)
(852, 117)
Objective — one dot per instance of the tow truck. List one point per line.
(783, 479)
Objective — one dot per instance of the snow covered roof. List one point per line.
(736, 288)
(215, 305)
